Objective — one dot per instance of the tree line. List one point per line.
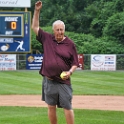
(96, 26)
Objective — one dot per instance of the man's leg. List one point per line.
(69, 114)
(52, 114)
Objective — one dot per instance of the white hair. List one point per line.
(58, 22)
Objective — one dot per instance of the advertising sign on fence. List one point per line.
(103, 62)
(81, 61)
(34, 61)
(7, 62)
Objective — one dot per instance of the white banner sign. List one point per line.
(103, 62)
(7, 62)
(15, 3)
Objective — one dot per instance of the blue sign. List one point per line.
(34, 61)
(11, 25)
(15, 32)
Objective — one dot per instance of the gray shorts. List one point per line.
(55, 93)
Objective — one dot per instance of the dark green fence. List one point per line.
(21, 61)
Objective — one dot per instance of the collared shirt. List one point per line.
(57, 57)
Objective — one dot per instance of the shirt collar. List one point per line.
(64, 41)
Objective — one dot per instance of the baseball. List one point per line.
(62, 74)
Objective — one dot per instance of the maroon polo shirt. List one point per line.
(57, 57)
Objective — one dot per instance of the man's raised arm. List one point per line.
(35, 20)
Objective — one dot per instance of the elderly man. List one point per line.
(59, 56)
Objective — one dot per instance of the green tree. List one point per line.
(96, 26)
(115, 27)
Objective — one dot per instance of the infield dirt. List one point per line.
(78, 102)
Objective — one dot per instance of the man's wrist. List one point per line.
(70, 72)
(37, 10)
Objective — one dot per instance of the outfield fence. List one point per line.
(21, 61)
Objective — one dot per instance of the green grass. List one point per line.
(98, 82)
(31, 115)
(83, 82)
(20, 82)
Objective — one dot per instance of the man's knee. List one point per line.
(51, 107)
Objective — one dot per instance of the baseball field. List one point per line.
(98, 98)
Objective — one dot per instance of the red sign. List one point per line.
(81, 61)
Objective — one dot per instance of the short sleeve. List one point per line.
(75, 56)
(41, 35)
